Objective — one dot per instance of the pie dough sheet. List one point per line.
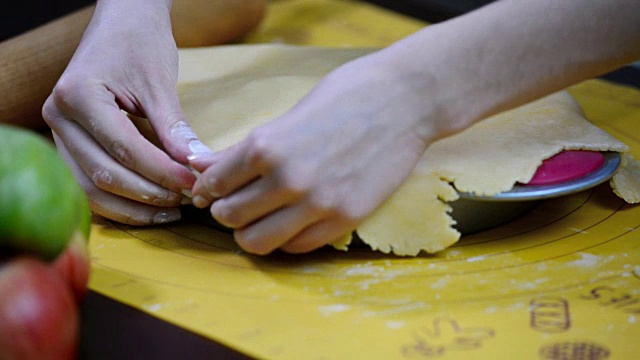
(492, 155)
(626, 182)
(226, 91)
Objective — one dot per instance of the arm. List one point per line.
(312, 175)
(512, 52)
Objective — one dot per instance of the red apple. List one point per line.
(39, 305)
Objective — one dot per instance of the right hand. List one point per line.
(125, 68)
(310, 176)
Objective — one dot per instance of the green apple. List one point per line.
(42, 207)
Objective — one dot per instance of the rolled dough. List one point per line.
(228, 90)
(626, 182)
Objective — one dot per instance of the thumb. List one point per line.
(175, 133)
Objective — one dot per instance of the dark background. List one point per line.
(27, 14)
(22, 15)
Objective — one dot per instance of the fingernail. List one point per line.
(166, 216)
(210, 184)
(183, 130)
(199, 201)
(198, 149)
(186, 198)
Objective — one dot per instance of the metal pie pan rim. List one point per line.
(612, 161)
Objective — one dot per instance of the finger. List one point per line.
(201, 163)
(143, 125)
(106, 173)
(116, 134)
(204, 161)
(316, 236)
(274, 230)
(131, 213)
(145, 129)
(170, 124)
(117, 208)
(251, 203)
(234, 168)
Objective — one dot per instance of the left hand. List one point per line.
(125, 64)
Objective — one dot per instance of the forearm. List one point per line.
(514, 51)
(120, 18)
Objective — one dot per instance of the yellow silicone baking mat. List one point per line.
(562, 282)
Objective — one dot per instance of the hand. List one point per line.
(39, 305)
(124, 68)
(309, 177)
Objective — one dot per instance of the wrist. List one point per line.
(445, 93)
(133, 11)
